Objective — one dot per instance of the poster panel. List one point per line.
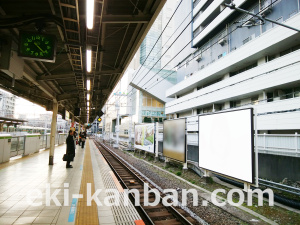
(144, 137)
(226, 144)
(174, 141)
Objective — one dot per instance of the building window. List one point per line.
(231, 74)
(270, 97)
(254, 100)
(234, 104)
(270, 58)
(149, 101)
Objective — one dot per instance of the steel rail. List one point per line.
(170, 209)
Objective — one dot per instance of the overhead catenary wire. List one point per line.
(230, 85)
(195, 56)
(165, 43)
(132, 88)
(158, 38)
(163, 78)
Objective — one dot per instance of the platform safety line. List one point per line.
(72, 210)
(86, 215)
(119, 187)
(139, 222)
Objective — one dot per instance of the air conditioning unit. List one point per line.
(198, 58)
(10, 62)
(222, 41)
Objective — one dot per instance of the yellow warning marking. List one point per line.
(87, 214)
(139, 222)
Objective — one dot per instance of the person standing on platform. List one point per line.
(80, 134)
(83, 138)
(75, 138)
(70, 148)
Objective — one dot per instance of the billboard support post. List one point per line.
(246, 189)
(166, 161)
(156, 141)
(185, 166)
(129, 133)
(256, 148)
(207, 176)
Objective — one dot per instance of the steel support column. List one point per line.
(53, 132)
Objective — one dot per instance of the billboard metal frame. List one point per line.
(185, 142)
(154, 137)
(253, 157)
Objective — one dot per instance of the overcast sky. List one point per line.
(32, 110)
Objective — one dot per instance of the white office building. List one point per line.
(238, 60)
(7, 104)
(235, 60)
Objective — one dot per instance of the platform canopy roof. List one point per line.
(119, 27)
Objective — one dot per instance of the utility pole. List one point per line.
(118, 118)
(97, 125)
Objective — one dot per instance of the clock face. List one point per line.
(37, 46)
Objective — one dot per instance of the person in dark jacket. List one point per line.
(70, 147)
(83, 138)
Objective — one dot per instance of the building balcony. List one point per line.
(199, 6)
(205, 18)
(283, 71)
(275, 38)
(279, 115)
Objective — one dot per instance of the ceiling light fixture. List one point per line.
(88, 85)
(88, 104)
(88, 97)
(90, 14)
(88, 59)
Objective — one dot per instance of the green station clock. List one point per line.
(37, 46)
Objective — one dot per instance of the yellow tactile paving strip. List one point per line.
(87, 214)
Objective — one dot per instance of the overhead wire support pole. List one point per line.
(262, 18)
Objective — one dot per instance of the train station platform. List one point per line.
(32, 192)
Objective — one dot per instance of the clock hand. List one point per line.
(39, 47)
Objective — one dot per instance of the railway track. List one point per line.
(158, 214)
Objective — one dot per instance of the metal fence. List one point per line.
(18, 143)
(17, 146)
(279, 144)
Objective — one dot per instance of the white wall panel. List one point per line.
(192, 123)
(254, 80)
(158, 90)
(251, 50)
(280, 105)
(279, 121)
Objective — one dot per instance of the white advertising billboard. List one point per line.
(174, 139)
(144, 137)
(226, 144)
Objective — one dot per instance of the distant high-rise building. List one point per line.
(150, 50)
(7, 104)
